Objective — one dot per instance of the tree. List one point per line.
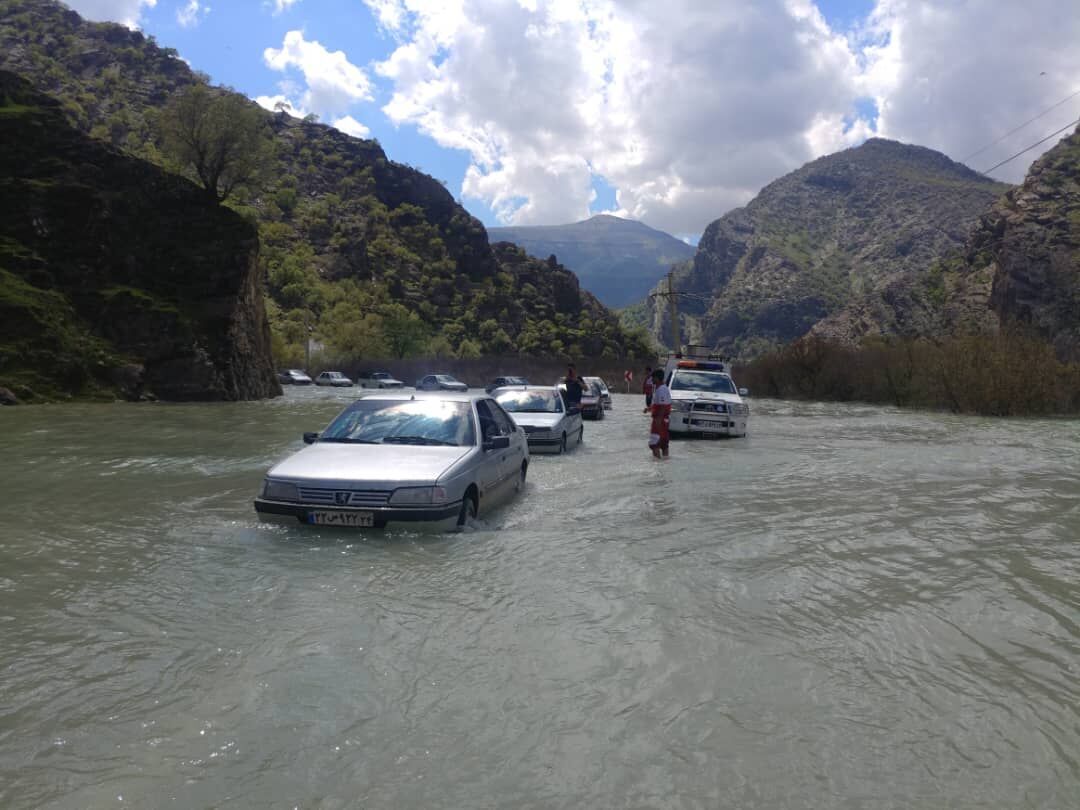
(406, 334)
(218, 138)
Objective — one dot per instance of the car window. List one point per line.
(530, 401)
(505, 423)
(489, 427)
(702, 381)
(425, 421)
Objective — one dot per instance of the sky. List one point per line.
(672, 112)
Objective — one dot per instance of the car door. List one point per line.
(496, 466)
(519, 447)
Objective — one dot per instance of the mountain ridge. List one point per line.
(839, 230)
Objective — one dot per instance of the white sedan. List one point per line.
(395, 457)
(541, 412)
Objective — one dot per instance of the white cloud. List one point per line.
(350, 126)
(956, 76)
(283, 5)
(188, 15)
(280, 102)
(688, 108)
(333, 82)
(126, 12)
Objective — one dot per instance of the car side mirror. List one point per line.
(744, 392)
(311, 438)
(497, 443)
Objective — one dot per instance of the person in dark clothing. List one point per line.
(647, 389)
(574, 389)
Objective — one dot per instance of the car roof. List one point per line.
(550, 389)
(405, 396)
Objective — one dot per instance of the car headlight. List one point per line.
(418, 496)
(280, 491)
(680, 406)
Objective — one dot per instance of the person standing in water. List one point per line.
(647, 388)
(659, 436)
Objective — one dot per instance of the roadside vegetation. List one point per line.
(1011, 373)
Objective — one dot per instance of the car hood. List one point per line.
(704, 396)
(541, 420)
(367, 463)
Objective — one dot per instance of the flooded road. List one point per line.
(853, 608)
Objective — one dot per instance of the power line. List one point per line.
(1037, 143)
(1014, 131)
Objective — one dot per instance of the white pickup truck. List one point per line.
(704, 398)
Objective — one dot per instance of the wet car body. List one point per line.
(401, 458)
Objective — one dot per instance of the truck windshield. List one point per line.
(710, 381)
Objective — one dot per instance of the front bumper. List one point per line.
(707, 424)
(544, 444)
(281, 511)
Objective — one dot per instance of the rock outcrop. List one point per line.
(830, 246)
(116, 277)
(1024, 256)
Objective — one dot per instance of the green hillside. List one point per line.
(373, 256)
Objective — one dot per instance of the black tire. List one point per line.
(600, 412)
(520, 486)
(562, 447)
(468, 509)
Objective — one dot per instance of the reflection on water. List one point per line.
(854, 607)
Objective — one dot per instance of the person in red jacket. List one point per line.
(661, 416)
(647, 388)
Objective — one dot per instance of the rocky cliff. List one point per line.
(824, 244)
(618, 260)
(1024, 255)
(117, 277)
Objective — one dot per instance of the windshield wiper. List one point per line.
(345, 440)
(416, 440)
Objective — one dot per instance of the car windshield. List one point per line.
(530, 402)
(445, 378)
(380, 375)
(702, 381)
(420, 421)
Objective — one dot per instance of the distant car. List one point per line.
(605, 394)
(293, 376)
(334, 378)
(591, 403)
(502, 382)
(440, 382)
(378, 379)
(396, 457)
(541, 413)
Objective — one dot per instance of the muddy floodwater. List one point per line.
(854, 607)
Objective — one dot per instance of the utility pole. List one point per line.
(307, 343)
(673, 311)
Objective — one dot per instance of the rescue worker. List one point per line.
(659, 435)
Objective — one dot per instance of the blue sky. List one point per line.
(545, 111)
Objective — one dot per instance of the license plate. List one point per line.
(356, 519)
(708, 423)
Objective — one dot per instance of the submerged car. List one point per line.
(605, 393)
(378, 379)
(334, 378)
(503, 382)
(440, 382)
(294, 376)
(591, 401)
(704, 399)
(541, 413)
(396, 457)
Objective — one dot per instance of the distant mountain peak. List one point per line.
(617, 259)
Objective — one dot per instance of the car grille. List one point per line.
(342, 497)
(710, 407)
(534, 429)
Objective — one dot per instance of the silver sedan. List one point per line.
(394, 457)
(550, 426)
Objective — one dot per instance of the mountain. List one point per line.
(371, 256)
(118, 278)
(826, 244)
(618, 260)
